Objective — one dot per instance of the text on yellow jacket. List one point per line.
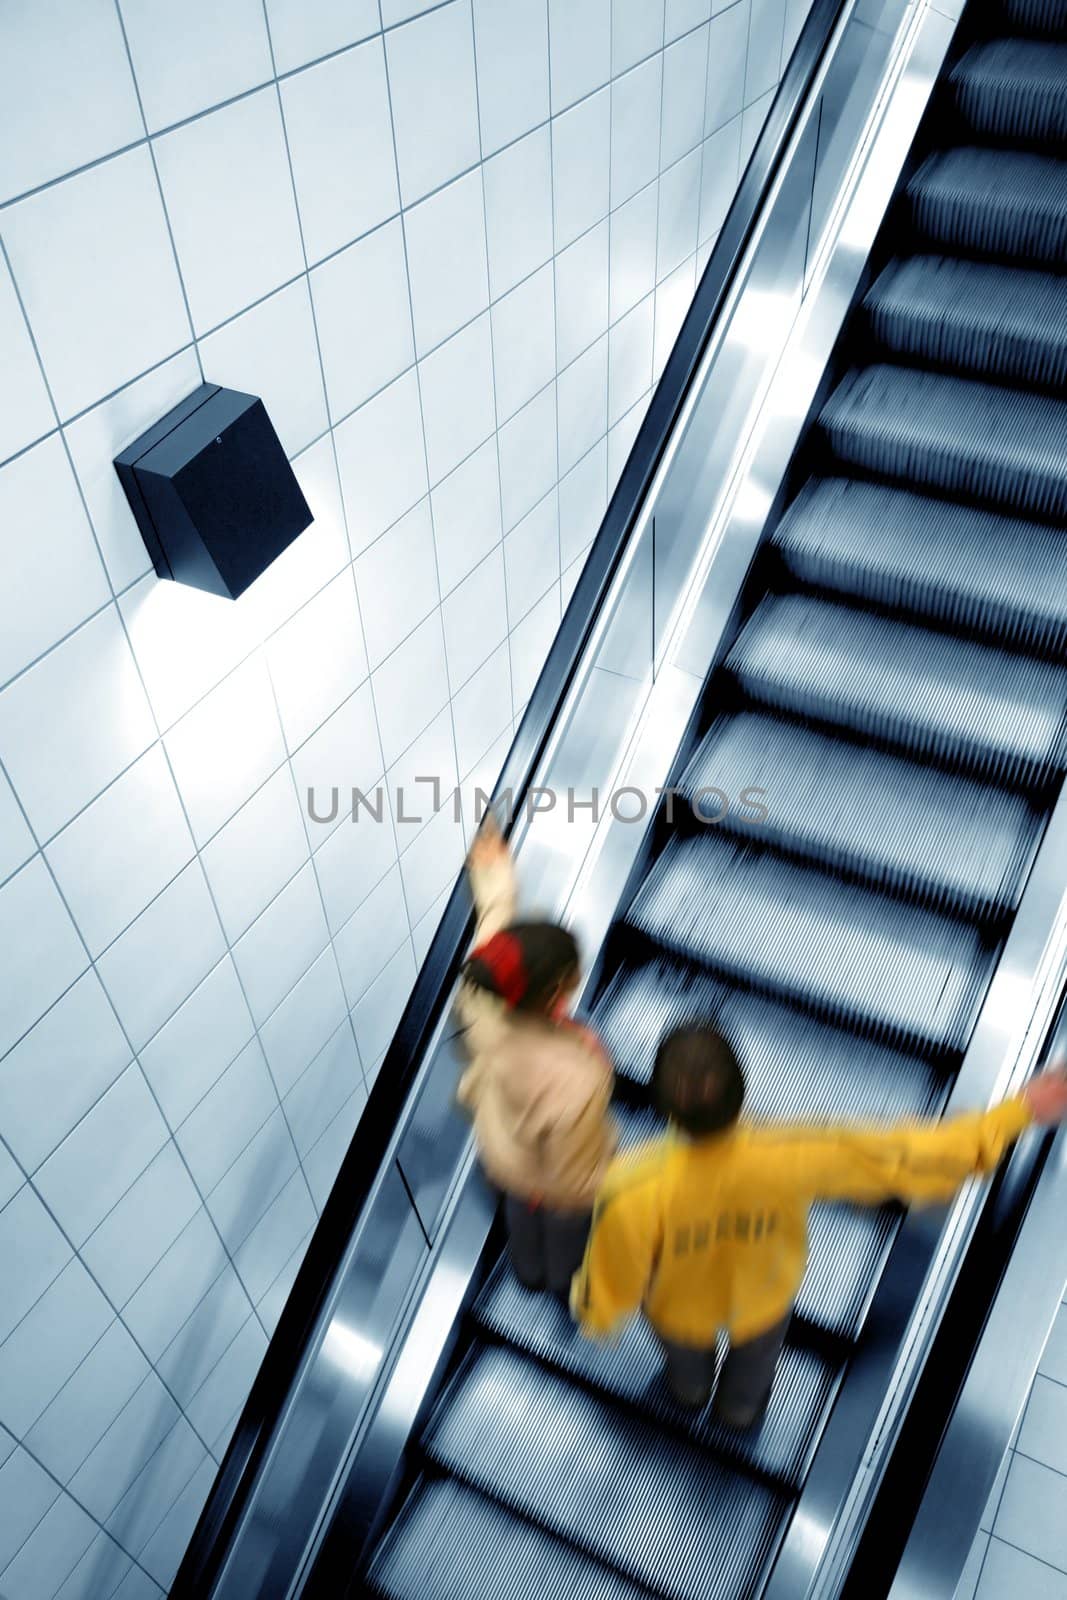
(711, 1233)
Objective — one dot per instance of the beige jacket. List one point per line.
(537, 1091)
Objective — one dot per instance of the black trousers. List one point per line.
(546, 1247)
(744, 1382)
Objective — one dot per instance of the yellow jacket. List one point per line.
(538, 1091)
(712, 1233)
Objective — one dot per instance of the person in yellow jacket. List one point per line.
(706, 1229)
(537, 1084)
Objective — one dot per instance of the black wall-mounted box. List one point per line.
(213, 492)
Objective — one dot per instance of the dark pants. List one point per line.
(546, 1247)
(745, 1381)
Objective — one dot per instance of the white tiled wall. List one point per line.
(1020, 1552)
(450, 245)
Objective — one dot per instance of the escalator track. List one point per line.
(897, 686)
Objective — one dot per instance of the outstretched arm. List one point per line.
(492, 878)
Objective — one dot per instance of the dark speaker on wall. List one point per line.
(213, 492)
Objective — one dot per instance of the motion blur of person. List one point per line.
(706, 1229)
(537, 1084)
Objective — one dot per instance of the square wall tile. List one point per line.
(364, 318)
(73, 722)
(511, 45)
(531, 557)
(56, 1545)
(258, 1175)
(322, 1090)
(49, 567)
(411, 687)
(134, 1237)
(207, 1332)
(355, 857)
(1054, 1359)
(530, 641)
(765, 31)
(673, 299)
(636, 100)
(185, 641)
(727, 50)
(226, 1389)
(630, 359)
(475, 618)
(97, 1162)
(434, 97)
(447, 262)
(528, 463)
(633, 251)
(423, 779)
(482, 708)
(524, 342)
(43, 952)
(67, 91)
(685, 67)
(372, 934)
(1031, 1514)
(341, 143)
(381, 455)
(720, 172)
(281, 944)
(683, 15)
(343, 754)
(583, 404)
(317, 659)
(294, 1034)
(376, 1015)
(1007, 1571)
(301, 33)
(583, 499)
(252, 858)
(457, 397)
(158, 962)
(94, 441)
(194, 1048)
(466, 515)
(259, 1261)
(227, 1118)
(126, 1448)
(25, 409)
(396, 580)
(679, 214)
(518, 210)
(89, 1402)
(621, 438)
(581, 294)
(226, 747)
(325, 1157)
(103, 1566)
(48, 1345)
(34, 1252)
(271, 352)
(580, 35)
(16, 841)
(433, 862)
(122, 850)
(95, 267)
(1042, 1434)
(176, 1286)
(581, 167)
(194, 55)
(59, 1069)
(636, 32)
(163, 1553)
(165, 1475)
(27, 1492)
(230, 201)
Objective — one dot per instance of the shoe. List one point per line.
(533, 1285)
(740, 1417)
(694, 1399)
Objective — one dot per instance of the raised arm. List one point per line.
(492, 879)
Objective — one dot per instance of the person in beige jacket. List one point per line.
(537, 1084)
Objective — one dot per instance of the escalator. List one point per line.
(895, 683)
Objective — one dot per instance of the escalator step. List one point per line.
(977, 570)
(497, 1555)
(630, 1369)
(991, 444)
(794, 1067)
(1013, 89)
(607, 1481)
(898, 972)
(1047, 18)
(947, 841)
(977, 318)
(925, 692)
(995, 202)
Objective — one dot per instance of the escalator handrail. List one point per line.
(437, 976)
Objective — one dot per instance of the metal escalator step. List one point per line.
(976, 317)
(906, 975)
(925, 692)
(1047, 18)
(995, 202)
(611, 1483)
(847, 1247)
(794, 1067)
(962, 437)
(452, 1544)
(948, 841)
(979, 570)
(631, 1370)
(1014, 89)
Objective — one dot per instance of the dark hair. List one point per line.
(697, 1080)
(548, 958)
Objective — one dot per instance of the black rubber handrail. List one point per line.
(437, 976)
